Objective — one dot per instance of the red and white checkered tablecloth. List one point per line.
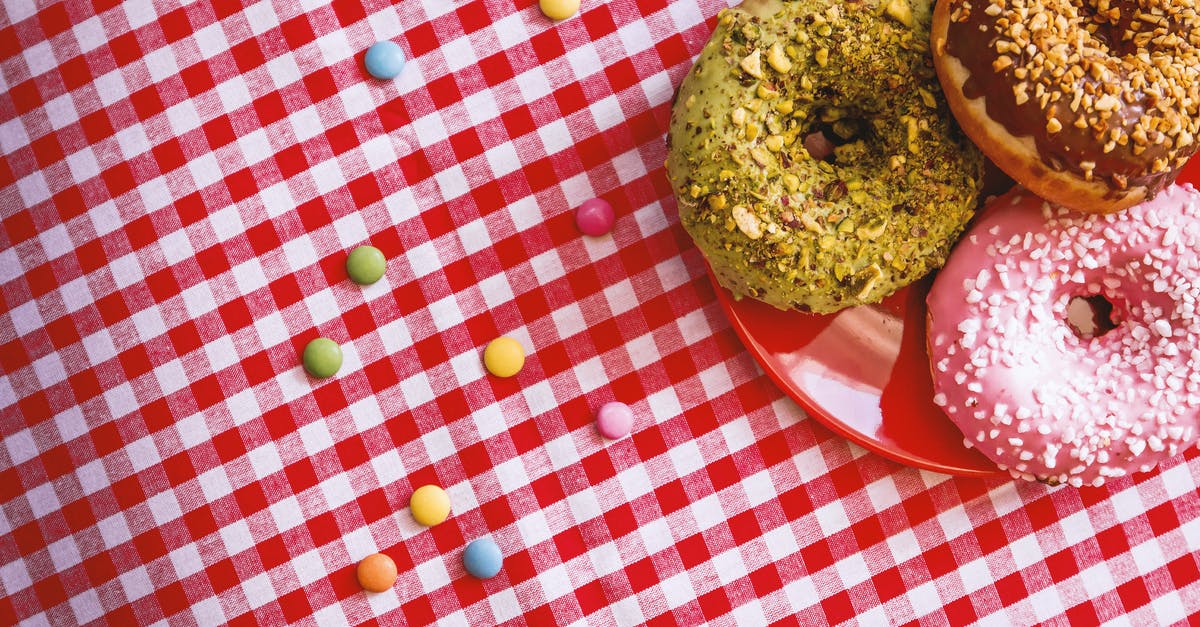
(178, 187)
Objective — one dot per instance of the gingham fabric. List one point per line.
(178, 188)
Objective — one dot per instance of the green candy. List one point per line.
(365, 265)
(322, 358)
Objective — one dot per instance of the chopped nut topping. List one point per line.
(747, 222)
(752, 64)
(900, 11)
(777, 59)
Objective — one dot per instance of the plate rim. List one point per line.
(726, 300)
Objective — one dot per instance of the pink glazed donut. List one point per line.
(1027, 390)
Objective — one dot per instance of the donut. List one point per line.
(812, 157)
(1093, 105)
(1030, 392)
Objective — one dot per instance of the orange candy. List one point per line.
(376, 573)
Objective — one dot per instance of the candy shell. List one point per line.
(594, 217)
(430, 505)
(384, 60)
(365, 265)
(504, 357)
(322, 358)
(614, 420)
(482, 558)
(559, 9)
(376, 573)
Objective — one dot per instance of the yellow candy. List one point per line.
(430, 505)
(559, 9)
(504, 357)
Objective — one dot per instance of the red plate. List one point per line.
(864, 373)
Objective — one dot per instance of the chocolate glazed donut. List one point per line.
(1091, 104)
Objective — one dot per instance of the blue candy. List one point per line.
(384, 60)
(482, 558)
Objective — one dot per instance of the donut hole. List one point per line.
(833, 128)
(1090, 316)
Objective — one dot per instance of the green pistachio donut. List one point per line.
(782, 226)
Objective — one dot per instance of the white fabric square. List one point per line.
(26, 318)
(114, 530)
(315, 436)
(17, 12)
(481, 106)
(265, 460)
(416, 390)
(142, 453)
(164, 505)
(184, 118)
(133, 141)
(205, 170)
(215, 484)
(429, 129)
(258, 590)
(64, 553)
(432, 573)
(149, 323)
(458, 53)
(13, 135)
(503, 159)
(83, 165)
(452, 182)
(126, 271)
(236, 537)
(139, 13)
(39, 57)
(10, 264)
(533, 84)
(337, 490)
(186, 560)
(309, 567)
(378, 152)
(211, 40)
(556, 136)
(49, 370)
(283, 71)
(21, 447)
(92, 477)
(832, 518)
(33, 189)
(111, 87)
(160, 63)
(121, 400)
(88, 33)
(547, 267)
(86, 606)
(209, 612)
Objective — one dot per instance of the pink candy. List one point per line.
(614, 420)
(594, 217)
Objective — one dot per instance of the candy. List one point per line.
(365, 265)
(482, 558)
(376, 573)
(614, 420)
(384, 60)
(559, 9)
(504, 357)
(594, 217)
(322, 358)
(430, 505)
